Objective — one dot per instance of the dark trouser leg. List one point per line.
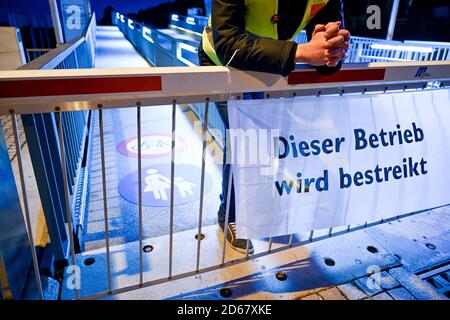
(226, 170)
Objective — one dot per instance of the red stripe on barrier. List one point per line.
(308, 77)
(80, 86)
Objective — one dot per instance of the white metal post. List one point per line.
(56, 22)
(393, 20)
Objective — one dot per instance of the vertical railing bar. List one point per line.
(227, 215)
(172, 187)
(139, 136)
(76, 130)
(215, 267)
(311, 234)
(72, 142)
(105, 200)
(78, 120)
(66, 194)
(247, 248)
(25, 204)
(76, 145)
(81, 124)
(76, 61)
(270, 244)
(202, 184)
(291, 238)
(67, 146)
(72, 147)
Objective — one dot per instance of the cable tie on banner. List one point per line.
(229, 77)
(232, 57)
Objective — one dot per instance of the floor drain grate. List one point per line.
(438, 277)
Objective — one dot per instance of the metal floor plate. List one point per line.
(438, 277)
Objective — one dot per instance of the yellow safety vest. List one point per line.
(258, 21)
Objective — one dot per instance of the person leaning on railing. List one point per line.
(256, 35)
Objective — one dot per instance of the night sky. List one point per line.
(41, 7)
(124, 5)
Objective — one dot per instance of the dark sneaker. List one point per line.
(240, 245)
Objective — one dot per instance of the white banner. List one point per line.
(310, 163)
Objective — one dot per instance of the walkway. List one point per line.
(408, 255)
(113, 50)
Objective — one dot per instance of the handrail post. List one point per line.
(393, 20)
(56, 22)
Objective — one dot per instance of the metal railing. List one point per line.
(440, 50)
(144, 88)
(162, 49)
(41, 132)
(301, 37)
(158, 47)
(377, 50)
(57, 139)
(76, 54)
(362, 49)
(35, 53)
(190, 24)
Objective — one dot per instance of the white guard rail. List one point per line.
(28, 91)
(38, 91)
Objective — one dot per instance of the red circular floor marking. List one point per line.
(152, 146)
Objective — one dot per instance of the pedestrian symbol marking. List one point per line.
(184, 187)
(156, 185)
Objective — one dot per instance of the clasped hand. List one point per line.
(328, 46)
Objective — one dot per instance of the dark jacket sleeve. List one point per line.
(333, 11)
(246, 52)
(256, 54)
